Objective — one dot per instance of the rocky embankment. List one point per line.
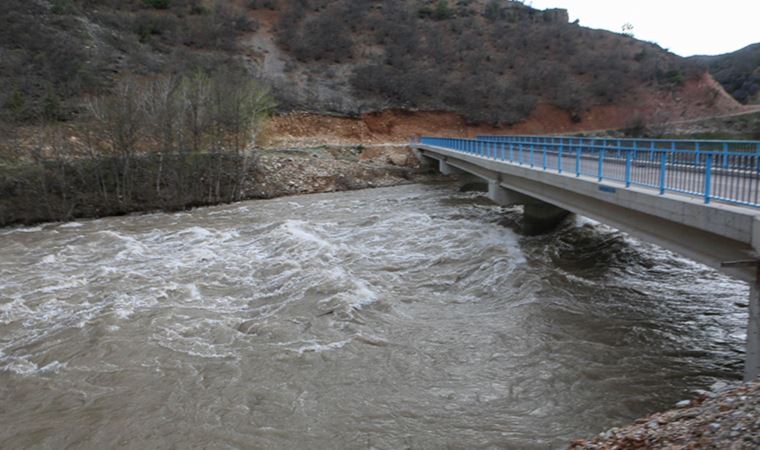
(726, 418)
(282, 172)
(742, 126)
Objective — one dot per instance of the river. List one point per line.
(406, 317)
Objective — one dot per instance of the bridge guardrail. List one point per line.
(728, 171)
(696, 145)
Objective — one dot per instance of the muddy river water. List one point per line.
(407, 317)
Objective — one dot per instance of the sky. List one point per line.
(685, 27)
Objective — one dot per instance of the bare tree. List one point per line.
(194, 94)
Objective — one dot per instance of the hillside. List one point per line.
(738, 72)
(54, 53)
(493, 62)
(497, 63)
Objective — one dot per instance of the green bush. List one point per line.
(493, 10)
(675, 77)
(16, 105)
(425, 12)
(198, 10)
(61, 7)
(442, 10)
(158, 4)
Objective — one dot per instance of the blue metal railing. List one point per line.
(638, 143)
(728, 171)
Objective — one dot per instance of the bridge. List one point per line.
(698, 198)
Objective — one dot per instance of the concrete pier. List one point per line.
(446, 169)
(501, 195)
(541, 217)
(538, 216)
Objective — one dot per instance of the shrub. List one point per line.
(324, 38)
(442, 10)
(425, 12)
(492, 11)
(61, 7)
(158, 4)
(675, 77)
(263, 4)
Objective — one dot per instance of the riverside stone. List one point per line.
(728, 417)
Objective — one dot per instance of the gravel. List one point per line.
(728, 417)
(330, 169)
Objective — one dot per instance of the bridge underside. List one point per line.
(709, 234)
(538, 216)
(713, 235)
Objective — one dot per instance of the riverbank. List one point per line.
(726, 418)
(294, 171)
(73, 188)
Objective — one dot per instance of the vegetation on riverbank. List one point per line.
(155, 143)
(58, 190)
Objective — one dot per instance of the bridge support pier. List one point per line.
(446, 169)
(538, 216)
(541, 217)
(752, 360)
(468, 182)
(503, 196)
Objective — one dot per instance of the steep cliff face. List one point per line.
(494, 62)
(738, 72)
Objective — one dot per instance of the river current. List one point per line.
(407, 317)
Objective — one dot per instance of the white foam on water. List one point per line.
(200, 350)
(230, 235)
(22, 230)
(14, 310)
(362, 294)
(49, 259)
(202, 337)
(60, 285)
(123, 312)
(132, 246)
(195, 294)
(507, 239)
(203, 254)
(315, 347)
(21, 366)
(298, 229)
(197, 232)
(71, 225)
(53, 367)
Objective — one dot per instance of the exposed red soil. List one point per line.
(697, 98)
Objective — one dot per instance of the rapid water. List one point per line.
(409, 317)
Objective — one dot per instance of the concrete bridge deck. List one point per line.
(671, 204)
